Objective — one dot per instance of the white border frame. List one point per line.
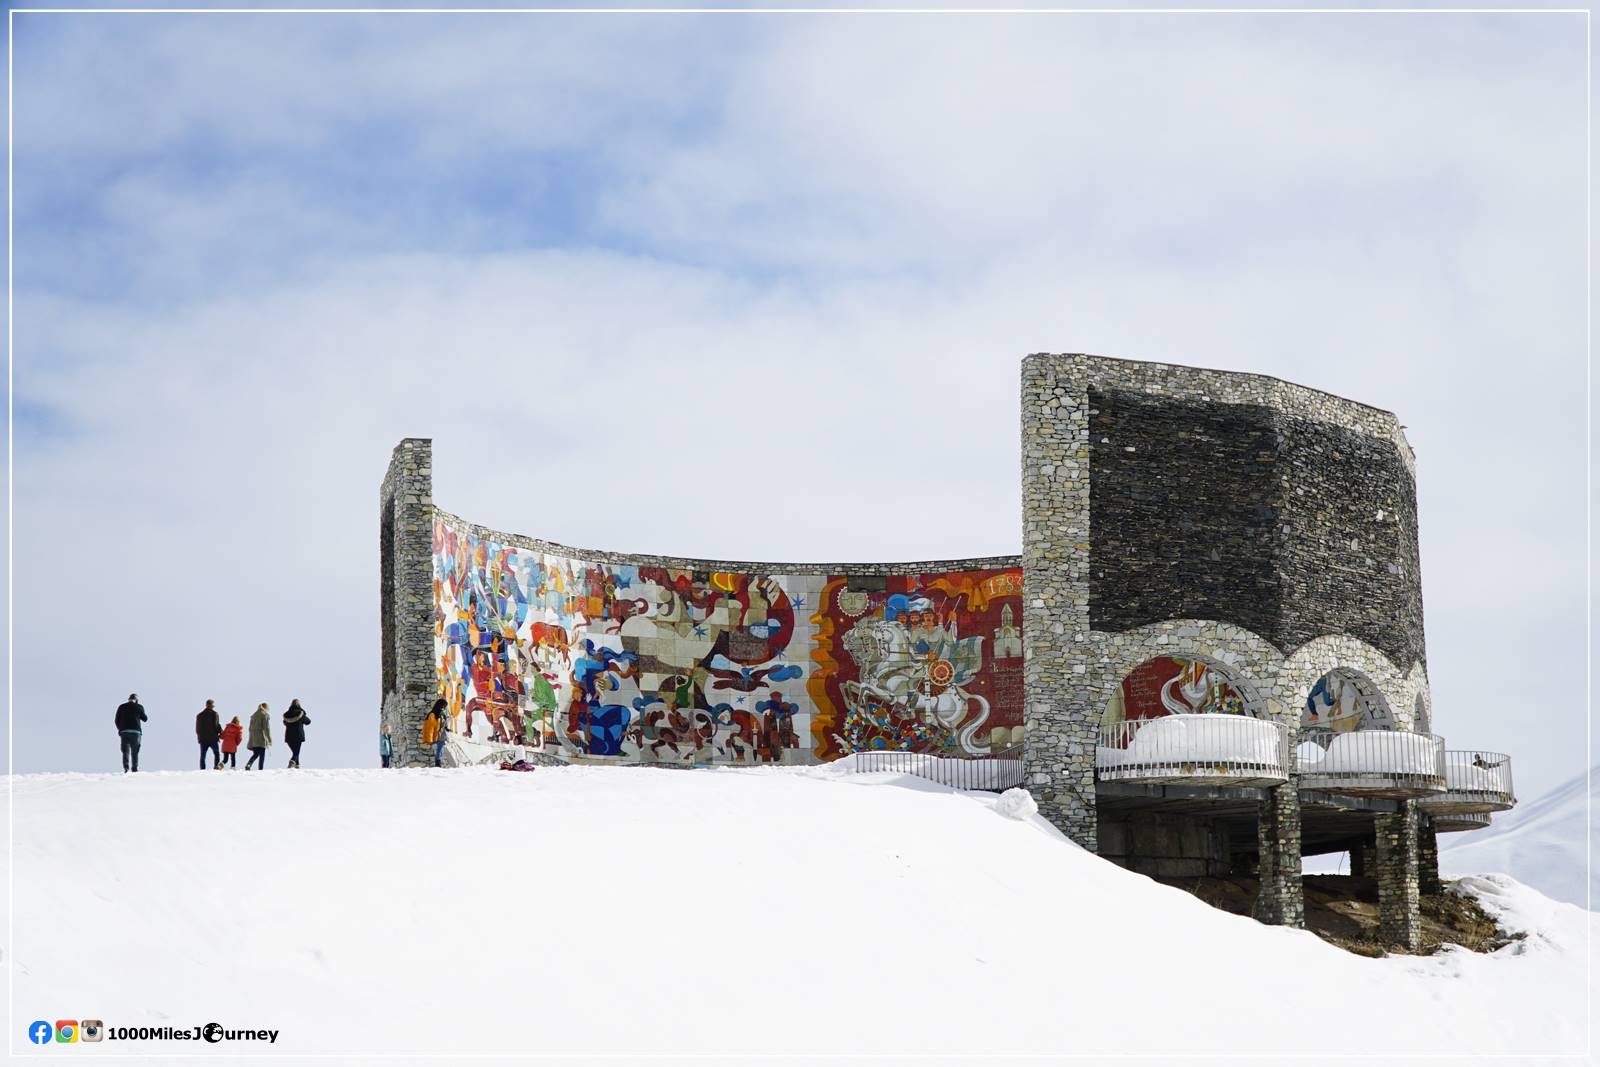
(12, 12)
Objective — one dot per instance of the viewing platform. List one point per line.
(1394, 764)
(1217, 750)
(1475, 782)
(1454, 822)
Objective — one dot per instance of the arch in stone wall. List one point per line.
(1308, 664)
(1248, 661)
(1181, 685)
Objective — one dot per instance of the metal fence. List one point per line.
(1379, 763)
(1185, 747)
(1475, 781)
(995, 773)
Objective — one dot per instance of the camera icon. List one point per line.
(91, 1030)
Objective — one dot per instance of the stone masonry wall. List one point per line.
(1428, 881)
(1063, 700)
(1281, 899)
(405, 541)
(1242, 513)
(1175, 511)
(1395, 868)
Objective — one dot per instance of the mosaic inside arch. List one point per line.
(1168, 685)
(658, 664)
(1343, 701)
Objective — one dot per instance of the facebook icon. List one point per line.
(40, 1032)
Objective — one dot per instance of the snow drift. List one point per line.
(593, 910)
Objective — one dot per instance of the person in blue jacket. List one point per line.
(385, 748)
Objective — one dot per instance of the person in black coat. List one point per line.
(129, 715)
(208, 731)
(295, 721)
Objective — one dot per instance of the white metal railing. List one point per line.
(1181, 747)
(1475, 780)
(995, 773)
(1383, 763)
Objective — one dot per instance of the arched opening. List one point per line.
(1343, 700)
(1424, 719)
(1351, 745)
(1174, 685)
(1178, 719)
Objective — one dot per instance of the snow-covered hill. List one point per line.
(592, 909)
(1540, 843)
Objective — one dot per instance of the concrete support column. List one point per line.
(1281, 900)
(405, 550)
(1395, 867)
(1428, 880)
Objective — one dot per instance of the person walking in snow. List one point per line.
(385, 747)
(129, 715)
(433, 731)
(260, 738)
(295, 721)
(208, 731)
(232, 734)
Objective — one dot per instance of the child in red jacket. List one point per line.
(232, 734)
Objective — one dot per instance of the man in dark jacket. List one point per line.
(129, 715)
(208, 731)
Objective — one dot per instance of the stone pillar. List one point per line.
(1281, 899)
(1395, 867)
(1063, 699)
(1428, 881)
(405, 550)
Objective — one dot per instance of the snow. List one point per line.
(1375, 752)
(628, 910)
(1464, 777)
(1196, 738)
(1017, 804)
(1540, 843)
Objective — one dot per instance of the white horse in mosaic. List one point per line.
(892, 673)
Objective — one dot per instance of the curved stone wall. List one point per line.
(636, 658)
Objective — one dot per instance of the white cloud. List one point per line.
(815, 354)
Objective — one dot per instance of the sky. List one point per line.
(748, 287)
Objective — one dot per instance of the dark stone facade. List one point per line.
(1288, 527)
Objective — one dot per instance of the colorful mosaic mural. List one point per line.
(1341, 702)
(659, 664)
(1167, 685)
